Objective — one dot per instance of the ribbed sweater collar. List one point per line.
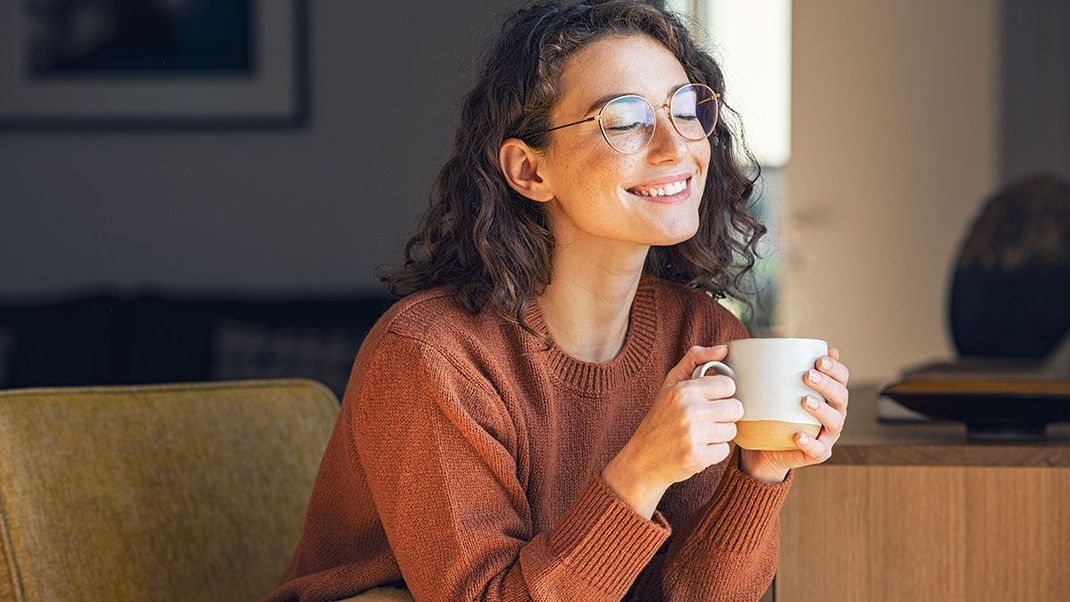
(599, 378)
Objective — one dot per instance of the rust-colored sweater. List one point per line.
(466, 462)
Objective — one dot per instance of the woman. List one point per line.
(522, 425)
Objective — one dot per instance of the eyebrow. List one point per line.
(597, 104)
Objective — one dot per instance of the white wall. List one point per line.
(895, 118)
(318, 207)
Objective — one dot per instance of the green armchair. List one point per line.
(190, 491)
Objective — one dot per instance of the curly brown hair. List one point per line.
(493, 247)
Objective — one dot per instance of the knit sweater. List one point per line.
(465, 465)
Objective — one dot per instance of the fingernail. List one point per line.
(811, 402)
(720, 348)
(825, 363)
(815, 376)
(804, 438)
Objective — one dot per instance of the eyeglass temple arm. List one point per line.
(716, 96)
(568, 125)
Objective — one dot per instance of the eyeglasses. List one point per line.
(627, 122)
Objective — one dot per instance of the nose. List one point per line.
(667, 145)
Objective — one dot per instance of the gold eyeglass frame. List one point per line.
(654, 110)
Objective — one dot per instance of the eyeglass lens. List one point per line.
(628, 122)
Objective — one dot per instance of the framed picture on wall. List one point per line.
(152, 63)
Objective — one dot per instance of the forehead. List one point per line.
(635, 63)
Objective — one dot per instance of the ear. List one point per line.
(521, 166)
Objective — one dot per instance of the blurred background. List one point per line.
(197, 190)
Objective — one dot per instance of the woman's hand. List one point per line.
(830, 380)
(687, 428)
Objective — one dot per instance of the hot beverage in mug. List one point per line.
(769, 383)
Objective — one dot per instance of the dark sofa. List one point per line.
(106, 337)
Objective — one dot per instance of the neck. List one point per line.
(588, 301)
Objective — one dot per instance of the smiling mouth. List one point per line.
(669, 190)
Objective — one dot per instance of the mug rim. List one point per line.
(778, 339)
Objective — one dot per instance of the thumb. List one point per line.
(695, 357)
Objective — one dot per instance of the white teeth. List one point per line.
(665, 190)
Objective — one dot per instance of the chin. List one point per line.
(668, 239)
(683, 232)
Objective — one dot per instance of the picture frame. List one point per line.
(153, 64)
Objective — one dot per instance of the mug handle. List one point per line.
(718, 367)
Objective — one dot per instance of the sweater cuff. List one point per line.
(743, 508)
(603, 537)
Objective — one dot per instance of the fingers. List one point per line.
(725, 410)
(833, 368)
(716, 452)
(713, 386)
(829, 379)
(834, 392)
(710, 397)
(717, 432)
(815, 449)
(705, 431)
(829, 418)
(695, 357)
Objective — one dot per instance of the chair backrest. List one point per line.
(192, 491)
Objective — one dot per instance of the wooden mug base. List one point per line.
(771, 435)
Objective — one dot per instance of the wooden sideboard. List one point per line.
(917, 512)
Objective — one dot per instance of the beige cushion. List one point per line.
(159, 492)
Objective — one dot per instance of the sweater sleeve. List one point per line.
(439, 451)
(730, 550)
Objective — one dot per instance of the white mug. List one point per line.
(769, 382)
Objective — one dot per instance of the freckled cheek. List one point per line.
(603, 176)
